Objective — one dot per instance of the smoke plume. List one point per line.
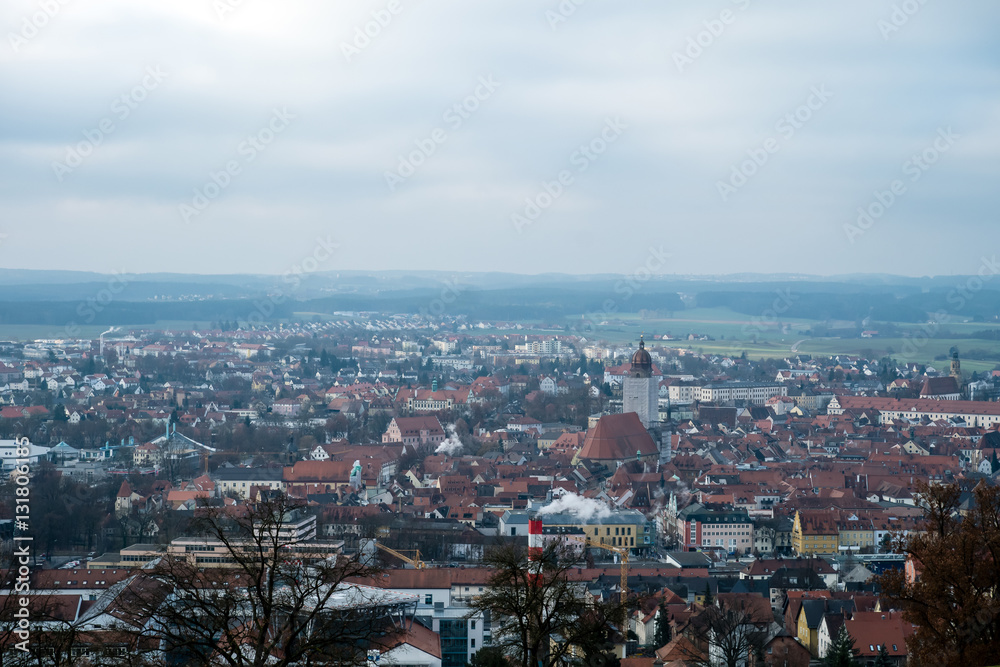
(582, 508)
(452, 446)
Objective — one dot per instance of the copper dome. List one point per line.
(641, 359)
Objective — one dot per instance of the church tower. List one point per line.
(956, 367)
(640, 390)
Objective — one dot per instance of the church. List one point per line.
(635, 433)
(640, 390)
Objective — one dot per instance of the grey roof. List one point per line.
(248, 474)
(698, 512)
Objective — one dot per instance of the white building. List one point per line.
(9, 454)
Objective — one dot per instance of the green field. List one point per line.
(27, 332)
(730, 331)
(733, 334)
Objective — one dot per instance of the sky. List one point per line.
(248, 136)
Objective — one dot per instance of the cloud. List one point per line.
(325, 174)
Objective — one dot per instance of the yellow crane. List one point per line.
(622, 553)
(401, 555)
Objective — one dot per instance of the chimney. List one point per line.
(535, 549)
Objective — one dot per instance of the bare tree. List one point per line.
(42, 628)
(540, 616)
(729, 632)
(269, 603)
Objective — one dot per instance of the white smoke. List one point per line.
(452, 446)
(582, 508)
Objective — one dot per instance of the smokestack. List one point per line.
(535, 550)
(534, 539)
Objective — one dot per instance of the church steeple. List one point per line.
(642, 363)
(640, 390)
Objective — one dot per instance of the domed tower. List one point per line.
(642, 363)
(640, 390)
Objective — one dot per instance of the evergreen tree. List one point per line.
(709, 600)
(663, 634)
(841, 653)
(488, 656)
(883, 659)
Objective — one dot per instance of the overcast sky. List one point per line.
(116, 114)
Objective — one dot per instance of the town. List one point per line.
(674, 482)
(499, 334)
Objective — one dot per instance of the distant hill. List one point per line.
(55, 297)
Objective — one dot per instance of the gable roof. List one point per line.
(616, 438)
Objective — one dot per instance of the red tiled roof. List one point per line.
(616, 438)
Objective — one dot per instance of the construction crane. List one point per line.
(415, 561)
(535, 532)
(622, 553)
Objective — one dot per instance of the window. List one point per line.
(473, 626)
(473, 643)
(428, 599)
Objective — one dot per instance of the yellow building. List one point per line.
(815, 532)
(856, 532)
(624, 528)
(810, 618)
(808, 637)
